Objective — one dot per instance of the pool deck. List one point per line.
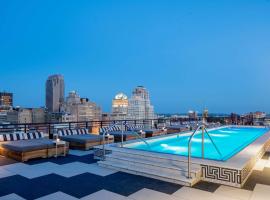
(77, 176)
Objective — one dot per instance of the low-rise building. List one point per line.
(81, 108)
(3, 116)
(254, 118)
(38, 115)
(19, 116)
(56, 117)
(192, 115)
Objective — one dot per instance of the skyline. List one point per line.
(103, 48)
(129, 96)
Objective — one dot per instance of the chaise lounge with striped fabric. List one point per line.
(149, 132)
(177, 128)
(81, 138)
(117, 133)
(24, 146)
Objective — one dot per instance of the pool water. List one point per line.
(229, 141)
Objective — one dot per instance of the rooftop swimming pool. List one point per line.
(229, 141)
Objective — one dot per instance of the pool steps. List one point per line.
(152, 166)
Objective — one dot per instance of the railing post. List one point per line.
(203, 141)
(122, 135)
(49, 132)
(189, 158)
(69, 125)
(25, 128)
(189, 151)
(103, 145)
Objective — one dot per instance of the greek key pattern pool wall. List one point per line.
(232, 177)
(221, 175)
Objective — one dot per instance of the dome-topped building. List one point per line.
(121, 96)
(119, 106)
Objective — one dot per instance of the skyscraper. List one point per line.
(139, 105)
(55, 92)
(119, 107)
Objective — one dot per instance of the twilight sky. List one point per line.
(189, 54)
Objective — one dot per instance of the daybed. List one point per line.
(82, 139)
(117, 133)
(24, 146)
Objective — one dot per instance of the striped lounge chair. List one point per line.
(149, 132)
(117, 132)
(24, 146)
(80, 138)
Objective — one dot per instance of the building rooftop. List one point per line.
(78, 175)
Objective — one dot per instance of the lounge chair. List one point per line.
(117, 133)
(25, 146)
(82, 139)
(151, 132)
(177, 128)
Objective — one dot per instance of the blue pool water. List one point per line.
(229, 141)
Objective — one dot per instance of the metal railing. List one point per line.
(123, 124)
(103, 142)
(50, 128)
(47, 126)
(204, 130)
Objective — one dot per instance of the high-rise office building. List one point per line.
(6, 99)
(139, 105)
(81, 108)
(55, 92)
(119, 107)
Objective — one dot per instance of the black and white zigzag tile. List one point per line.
(77, 176)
